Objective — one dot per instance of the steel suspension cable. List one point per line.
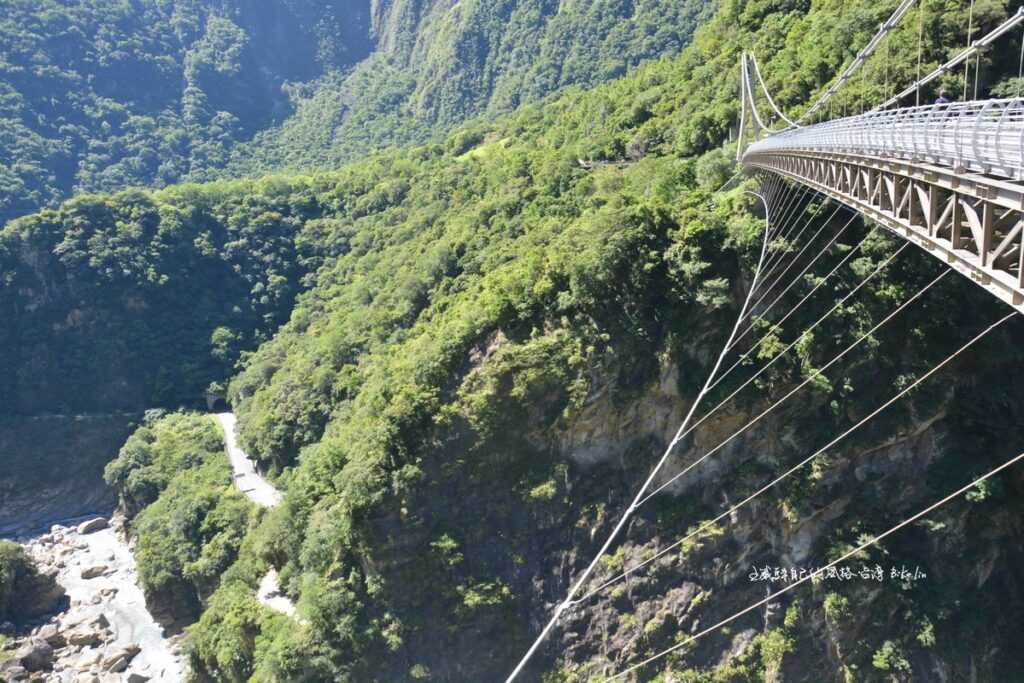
(800, 275)
(883, 30)
(866, 544)
(967, 70)
(779, 190)
(811, 217)
(1020, 66)
(782, 226)
(779, 258)
(796, 259)
(785, 228)
(970, 32)
(743, 115)
(728, 513)
(632, 570)
(814, 375)
(787, 348)
(787, 190)
(767, 94)
(982, 42)
(729, 181)
(920, 48)
(977, 71)
(888, 64)
(779, 261)
(627, 514)
(750, 96)
(779, 219)
(777, 326)
(774, 184)
(772, 206)
(814, 289)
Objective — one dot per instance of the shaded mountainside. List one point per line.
(281, 83)
(99, 95)
(138, 300)
(490, 348)
(53, 468)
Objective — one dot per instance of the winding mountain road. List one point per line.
(247, 478)
(262, 492)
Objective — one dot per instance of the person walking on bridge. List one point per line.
(943, 97)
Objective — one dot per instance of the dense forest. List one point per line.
(98, 96)
(458, 359)
(440, 63)
(188, 517)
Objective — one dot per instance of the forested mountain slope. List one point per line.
(462, 404)
(97, 96)
(438, 63)
(493, 345)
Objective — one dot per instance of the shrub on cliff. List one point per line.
(158, 450)
(25, 593)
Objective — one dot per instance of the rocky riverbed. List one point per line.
(103, 633)
(99, 630)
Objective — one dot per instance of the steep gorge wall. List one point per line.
(52, 467)
(969, 552)
(547, 498)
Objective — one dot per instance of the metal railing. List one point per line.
(984, 136)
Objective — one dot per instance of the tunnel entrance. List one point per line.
(216, 399)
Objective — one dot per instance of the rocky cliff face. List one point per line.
(53, 467)
(911, 607)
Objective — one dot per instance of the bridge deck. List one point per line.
(985, 136)
(946, 177)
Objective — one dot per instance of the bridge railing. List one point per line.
(986, 136)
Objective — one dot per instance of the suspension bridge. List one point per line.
(944, 176)
(947, 178)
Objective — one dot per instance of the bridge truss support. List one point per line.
(971, 221)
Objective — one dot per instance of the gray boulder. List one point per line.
(118, 659)
(11, 670)
(94, 571)
(93, 525)
(52, 635)
(83, 637)
(35, 655)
